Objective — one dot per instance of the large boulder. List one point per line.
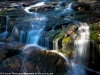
(40, 61)
(44, 8)
(36, 61)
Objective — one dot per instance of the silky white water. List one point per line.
(82, 45)
(81, 51)
(30, 33)
(31, 37)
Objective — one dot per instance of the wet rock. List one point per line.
(44, 8)
(5, 46)
(4, 54)
(94, 56)
(45, 62)
(5, 70)
(25, 4)
(10, 45)
(81, 6)
(48, 28)
(2, 23)
(14, 64)
(60, 26)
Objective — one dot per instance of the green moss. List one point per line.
(60, 35)
(93, 32)
(4, 12)
(66, 39)
(93, 36)
(66, 53)
(56, 35)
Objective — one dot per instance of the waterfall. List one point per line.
(68, 11)
(82, 45)
(81, 51)
(69, 8)
(37, 26)
(45, 42)
(30, 34)
(55, 45)
(4, 34)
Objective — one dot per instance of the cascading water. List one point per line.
(82, 45)
(55, 45)
(69, 8)
(4, 34)
(31, 35)
(81, 51)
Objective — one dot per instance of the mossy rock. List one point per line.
(48, 61)
(66, 39)
(3, 12)
(56, 35)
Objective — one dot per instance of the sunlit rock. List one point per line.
(45, 61)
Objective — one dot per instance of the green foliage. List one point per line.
(93, 32)
(93, 36)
